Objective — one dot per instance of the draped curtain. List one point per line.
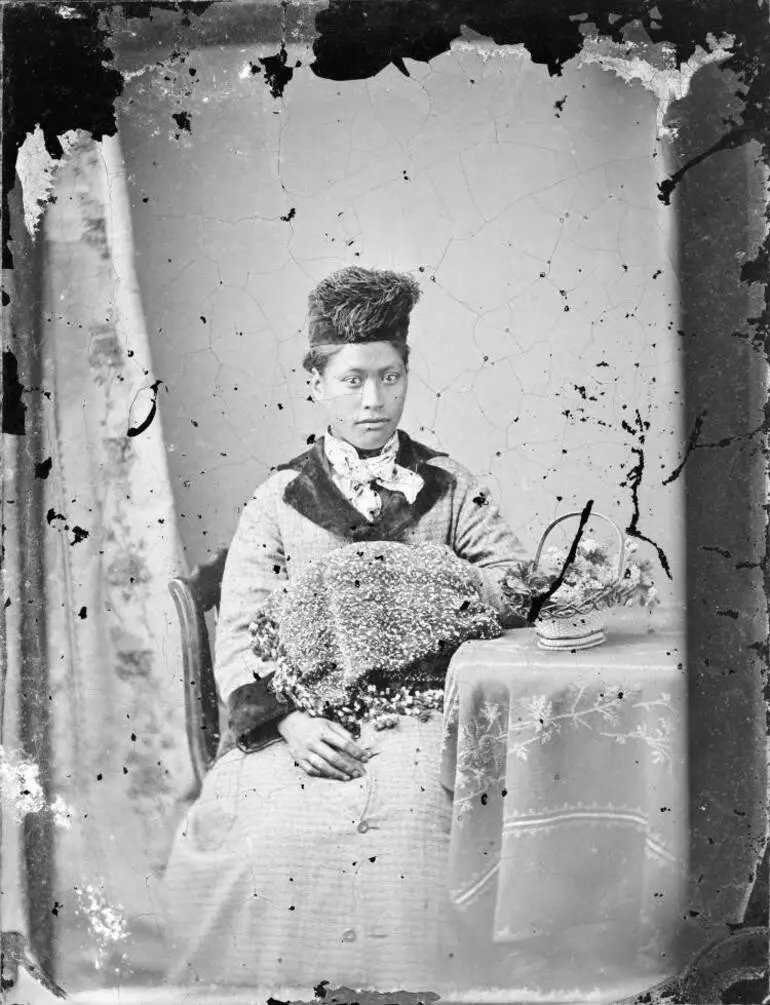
(119, 771)
(25, 829)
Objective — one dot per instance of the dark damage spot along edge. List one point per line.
(57, 70)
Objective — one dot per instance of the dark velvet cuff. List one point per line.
(253, 711)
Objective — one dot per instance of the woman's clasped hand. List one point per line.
(322, 747)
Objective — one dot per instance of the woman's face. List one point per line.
(363, 389)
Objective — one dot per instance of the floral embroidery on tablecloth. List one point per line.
(535, 715)
(517, 824)
(494, 731)
(481, 754)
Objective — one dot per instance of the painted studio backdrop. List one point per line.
(174, 265)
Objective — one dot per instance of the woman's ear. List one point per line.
(316, 385)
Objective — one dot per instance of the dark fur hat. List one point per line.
(361, 305)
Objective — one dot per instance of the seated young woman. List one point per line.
(315, 852)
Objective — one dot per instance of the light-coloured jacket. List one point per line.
(298, 514)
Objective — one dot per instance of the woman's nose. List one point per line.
(372, 394)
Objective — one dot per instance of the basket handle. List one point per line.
(566, 516)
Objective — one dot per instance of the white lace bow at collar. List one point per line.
(357, 477)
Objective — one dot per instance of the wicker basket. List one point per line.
(576, 626)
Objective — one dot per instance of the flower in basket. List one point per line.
(590, 582)
(367, 631)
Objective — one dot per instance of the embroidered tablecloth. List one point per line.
(569, 778)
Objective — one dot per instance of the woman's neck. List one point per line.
(369, 453)
(359, 450)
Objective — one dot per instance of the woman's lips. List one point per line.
(372, 422)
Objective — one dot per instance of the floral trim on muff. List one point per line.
(367, 632)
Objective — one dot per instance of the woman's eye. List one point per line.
(392, 378)
(352, 381)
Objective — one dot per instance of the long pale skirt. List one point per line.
(281, 880)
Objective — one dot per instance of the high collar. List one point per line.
(314, 495)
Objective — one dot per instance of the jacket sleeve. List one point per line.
(482, 536)
(255, 568)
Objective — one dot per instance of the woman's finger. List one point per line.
(339, 738)
(339, 761)
(307, 767)
(337, 727)
(326, 767)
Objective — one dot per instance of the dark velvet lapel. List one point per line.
(314, 495)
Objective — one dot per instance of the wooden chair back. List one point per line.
(195, 596)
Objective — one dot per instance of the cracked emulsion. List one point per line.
(545, 351)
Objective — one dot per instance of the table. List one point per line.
(569, 777)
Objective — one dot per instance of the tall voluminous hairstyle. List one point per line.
(361, 305)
